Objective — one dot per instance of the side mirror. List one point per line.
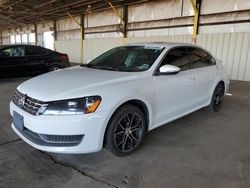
(168, 70)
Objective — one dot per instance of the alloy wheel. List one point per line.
(218, 97)
(128, 132)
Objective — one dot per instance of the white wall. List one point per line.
(106, 17)
(232, 49)
(71, 47)
(159, 20)
(68, 29)
(218, 6)
(154, 10)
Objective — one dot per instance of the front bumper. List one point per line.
(90, 126)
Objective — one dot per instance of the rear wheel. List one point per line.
(217, 98)
(53, 68)
(125, 131)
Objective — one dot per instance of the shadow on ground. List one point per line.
(202, 149)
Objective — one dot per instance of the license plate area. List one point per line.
(18, 121)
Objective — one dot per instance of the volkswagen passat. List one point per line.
(115, 98)
(29, 60)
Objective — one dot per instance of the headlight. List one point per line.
(72, 106)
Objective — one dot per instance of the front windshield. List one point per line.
(127, 58)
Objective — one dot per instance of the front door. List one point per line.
(174, 93)
(12, 61)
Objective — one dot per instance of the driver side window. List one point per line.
(177, 57)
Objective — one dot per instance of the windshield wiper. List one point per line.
(104, 67)
(107, 67)
(85, 65)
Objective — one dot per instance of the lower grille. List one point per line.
(51, 140)
(61, 139)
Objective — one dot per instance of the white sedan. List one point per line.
(117, 97)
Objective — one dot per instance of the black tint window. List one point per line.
(177, 57)
(17, 51)
(128, 58)
(200, 58)
(35, 51)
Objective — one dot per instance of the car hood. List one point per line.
(73, 83)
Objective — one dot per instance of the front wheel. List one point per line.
(217, 98)
(125, 131)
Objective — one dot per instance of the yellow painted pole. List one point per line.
(115, 11)
(81, 28)
(81, 54)
(195, 21)
(123, 39)
(74, 19)
(46, 23)
(121, 18)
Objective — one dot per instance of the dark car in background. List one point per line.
(29, 60)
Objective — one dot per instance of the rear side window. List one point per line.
(200, 58)
(177, 57)
(33, 50)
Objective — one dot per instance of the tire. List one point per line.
(217, 98)
(54, 68)
(125, 130)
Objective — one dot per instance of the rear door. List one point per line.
(37, 59)
(205, 70)
(12, 61)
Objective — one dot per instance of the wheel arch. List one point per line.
(216, 82)
(143, 107)
(136, 102)
(223, 84)
(213, 88)
(53, 64)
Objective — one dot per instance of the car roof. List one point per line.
(11, 45)
(20, 45)
(161, 44)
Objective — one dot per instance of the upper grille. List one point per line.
(28, 104)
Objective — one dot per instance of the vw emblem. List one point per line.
(21, 101)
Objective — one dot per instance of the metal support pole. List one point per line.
(82, 35)
(125, 19)
(9, 37)
(81, 24)
(55, 30)
(36, 35)
(55, 33)
(1, 37)
(122, 21)
(196, 8)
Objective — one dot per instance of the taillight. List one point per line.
(64, 57)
